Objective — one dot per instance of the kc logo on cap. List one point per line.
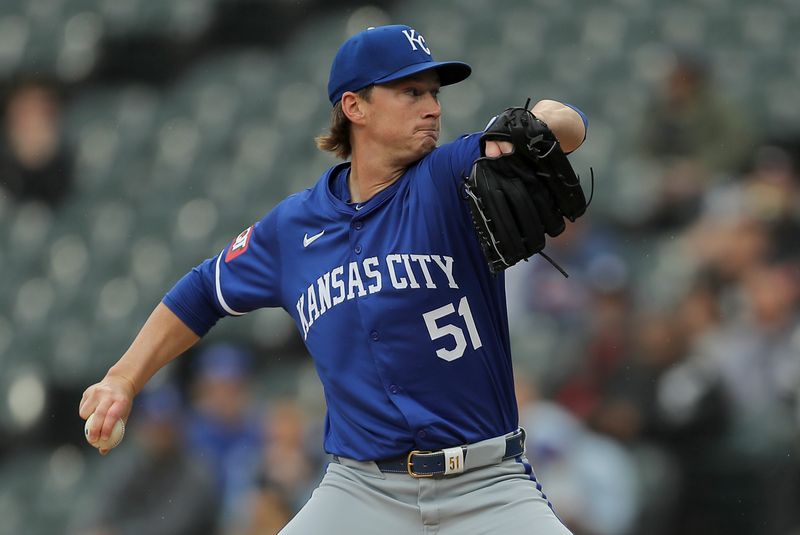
(382, 54)
(418, 40)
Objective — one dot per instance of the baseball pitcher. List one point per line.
(391, 266)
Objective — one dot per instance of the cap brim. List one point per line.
(450, 72)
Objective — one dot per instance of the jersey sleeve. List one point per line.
(243, 277)
(453, 161)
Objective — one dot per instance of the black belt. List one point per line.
(432, 463)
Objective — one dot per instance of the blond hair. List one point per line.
(337, 140)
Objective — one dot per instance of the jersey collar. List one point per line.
(338, 193)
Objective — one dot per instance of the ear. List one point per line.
(353, 107)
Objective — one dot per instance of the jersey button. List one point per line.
(394, 389)
(358, 225)
(421, 433)
(357, 249)
(374, 335)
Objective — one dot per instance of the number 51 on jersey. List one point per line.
(436, 331)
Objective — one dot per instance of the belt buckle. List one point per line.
(410, 464)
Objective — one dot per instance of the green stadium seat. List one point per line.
(14, 35)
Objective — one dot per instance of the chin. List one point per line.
(429, 144)
(421, 150)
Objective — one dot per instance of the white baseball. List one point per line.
(113, 441)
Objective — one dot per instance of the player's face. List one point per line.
(404, 116)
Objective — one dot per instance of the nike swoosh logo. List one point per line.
(308, 240)
(359, 207)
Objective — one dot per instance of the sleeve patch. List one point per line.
(240, 244)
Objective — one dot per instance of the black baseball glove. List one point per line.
(517, 198)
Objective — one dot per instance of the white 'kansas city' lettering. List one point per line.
(357, 279)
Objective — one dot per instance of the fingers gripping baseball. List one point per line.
(109, 401)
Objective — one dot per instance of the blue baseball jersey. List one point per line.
(393, 298)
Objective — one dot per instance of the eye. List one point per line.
(413, 91)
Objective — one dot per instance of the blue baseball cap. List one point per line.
(160, 403)
(380, 55)
(224, 361)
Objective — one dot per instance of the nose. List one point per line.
(432, 107)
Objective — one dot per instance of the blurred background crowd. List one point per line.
(659, 383)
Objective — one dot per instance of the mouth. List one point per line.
(432, 132)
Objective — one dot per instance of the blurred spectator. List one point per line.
(694, 136)
(35, 164)
(291, 467)
(670, 420)
(267, 510)
(728, 246)
(591, 478)
(769, 195)
(291, 462)
(772, 187)
(758, 358)
(588, 253)
(548, 312)
(225, 428)
(629, 405)
(158, 489)
(750, 350)
(606, 351)
(760, 365)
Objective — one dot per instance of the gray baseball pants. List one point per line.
(490, 496)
